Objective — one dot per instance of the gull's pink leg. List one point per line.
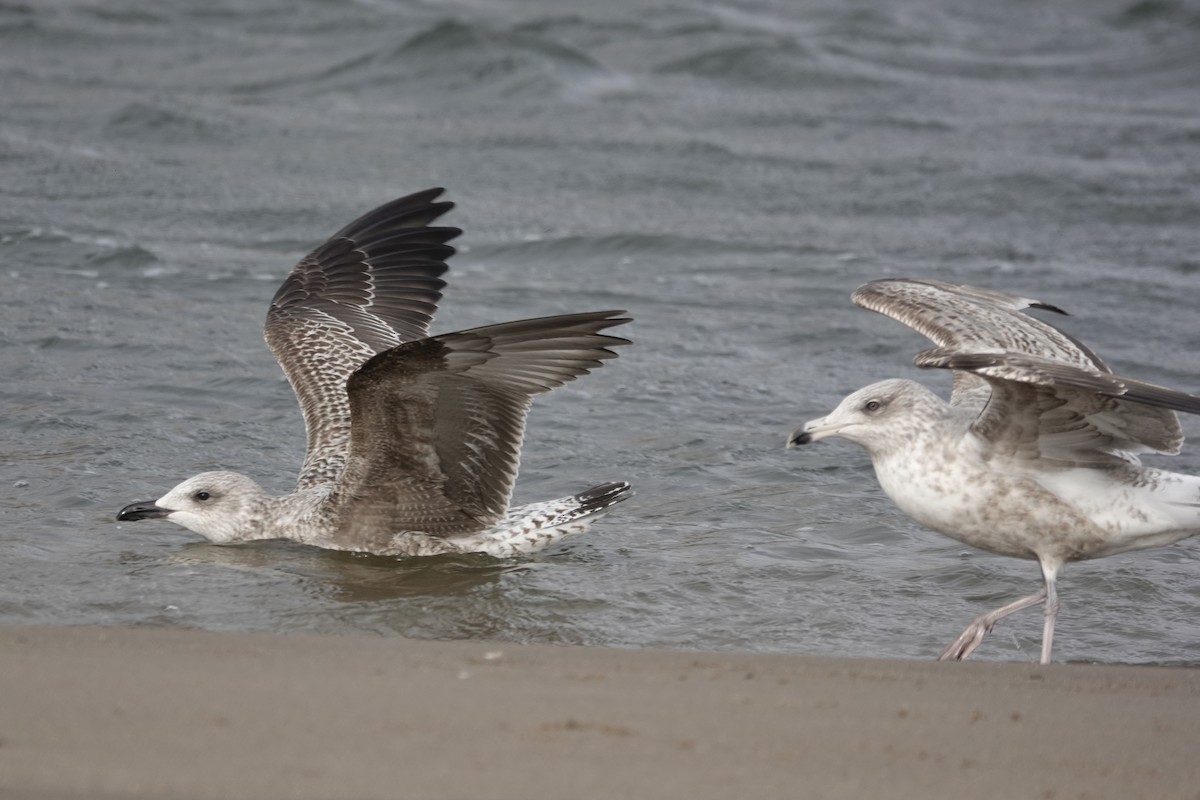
(1049, 572)
(969, 639)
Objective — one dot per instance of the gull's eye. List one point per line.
(873, 405)
(202, 496)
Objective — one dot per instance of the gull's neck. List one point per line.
(291, 516)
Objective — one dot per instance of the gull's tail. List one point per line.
(599, 498)
(530, 528)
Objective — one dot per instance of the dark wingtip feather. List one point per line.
(1048, 307)
(1159, 396)
(604, 495)
(412, 212)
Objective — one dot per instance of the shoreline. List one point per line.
(167, 713)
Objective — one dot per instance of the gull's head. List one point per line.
(878, 417)
(223, 507)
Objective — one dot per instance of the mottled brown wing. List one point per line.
(1044, 409)
(1046, 391)
(968, 319)
(373, 285)
(438, 423)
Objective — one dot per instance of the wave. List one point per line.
(159, 123)
(452, 57)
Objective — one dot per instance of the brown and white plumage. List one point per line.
(437, 423)
(1035, 456)
(373, 285)
(413, 441)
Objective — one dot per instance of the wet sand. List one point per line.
(141, 713)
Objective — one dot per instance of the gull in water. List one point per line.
(1036, 454)
(413, 440)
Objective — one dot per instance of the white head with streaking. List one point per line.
(223, 507)
(877, 417)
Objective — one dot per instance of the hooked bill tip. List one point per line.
(798, 438)
(145, 509)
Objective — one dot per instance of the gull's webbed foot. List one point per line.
(968, 640)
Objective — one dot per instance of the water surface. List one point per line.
(728, 172)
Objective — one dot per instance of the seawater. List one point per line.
(727, 172)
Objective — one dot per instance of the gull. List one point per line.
(1036, 454)
(413, 441)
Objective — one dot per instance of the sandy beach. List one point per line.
(151, 713)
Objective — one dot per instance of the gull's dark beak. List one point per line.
(141, 510)
(812, 431)
(798, 436)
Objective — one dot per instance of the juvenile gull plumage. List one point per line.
(1035, 455)
(413, 442)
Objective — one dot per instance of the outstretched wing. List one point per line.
(438, 423)
(1047, 395)
(373, 285)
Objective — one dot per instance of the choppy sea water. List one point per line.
(727, 172)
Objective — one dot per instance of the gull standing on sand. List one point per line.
(1035, 455)
(413, 442)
